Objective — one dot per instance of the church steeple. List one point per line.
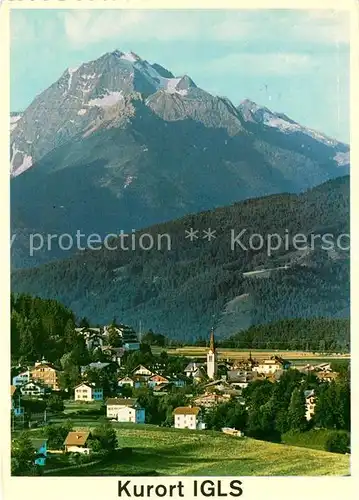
(212, 346)
(212, 358)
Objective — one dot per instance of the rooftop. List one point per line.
(121, 401)
(76, 438)
(186, 410)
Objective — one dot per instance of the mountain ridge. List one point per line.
(114, 144)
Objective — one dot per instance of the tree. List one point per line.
(104, 438)
(56, 435)
(55, 403)
(296, 411)
(338, 442)
(22, 456)
(114, 338)
(69, 334)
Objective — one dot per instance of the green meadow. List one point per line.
(167, 451)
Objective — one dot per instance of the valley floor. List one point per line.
(168, 451)
(296, 357)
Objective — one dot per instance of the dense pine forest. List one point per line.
(182, 292)
(314, 334)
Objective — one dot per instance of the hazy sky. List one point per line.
(292, 61)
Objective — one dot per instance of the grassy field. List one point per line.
(166, 451)
(75, 406)
(296, 356)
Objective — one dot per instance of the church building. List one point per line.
(212, 358)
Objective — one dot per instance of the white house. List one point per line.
(309, 404)
(188, 417)
(32, 389)
(271, 365)
(21, 378)
(114, 405)
(78, 442)
(142, 371)
(132, 414)
(125, 381)
(88, 392)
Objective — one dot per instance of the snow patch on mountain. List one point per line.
(169, 85)
(71, 71)
(82, 112)
(91, 76)
(342, 158)
(128, 181)
(107, 100)
(26, 161)
(130, 56)
(13, 121)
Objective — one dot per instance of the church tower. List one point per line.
(212, 358)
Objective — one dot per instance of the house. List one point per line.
(113, 405)
(93, 337)
(309, 404)
(133, 414)
(21, 379)
(46, 374)
(240, 378)
(232, 432)
(327, 376)
(188, 417)
(157, 380)
(78, 442)
(32, 389)
(116, 353)
(88, 392)
(40, 446)
(209, 400)
(127, 335)
(192, 368)
(142, 371)
(245, 364)
(271, 365)
(125, 381)
(323, 367)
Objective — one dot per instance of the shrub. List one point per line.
(338, 442)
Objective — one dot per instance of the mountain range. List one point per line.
(119, 143)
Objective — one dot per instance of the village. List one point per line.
(200, 386)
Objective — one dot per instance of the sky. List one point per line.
(292, 61)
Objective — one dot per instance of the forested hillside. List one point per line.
(40, 327)
(181, 292)
(314, 334)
